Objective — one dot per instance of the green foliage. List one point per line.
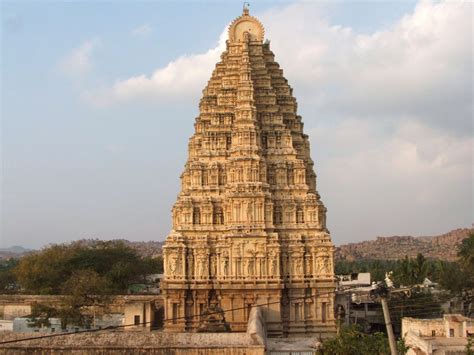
(7, 275)
(86, 275)
(154, 264)
(459, 277)
(351, 341)
(45, 272)
(413, 271)
(407, 271)
(50, 271)
(470, 346)
(466, 252)
(86, 291)
(452, 278)
(402, 347)
(41, 314)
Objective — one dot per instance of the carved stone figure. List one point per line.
(299, 216)
(190, 264)
(323, 264)
(202, 266)
(308, 267)
(225, 265)
(299, 266)
(213, 265)
(249, 212)
(274, 264)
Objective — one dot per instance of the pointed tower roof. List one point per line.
(248, 215)
(249, 139)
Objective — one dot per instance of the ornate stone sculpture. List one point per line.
(248, 222)
(172, 263)
(225, 263)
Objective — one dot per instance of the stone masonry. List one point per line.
(248, 225)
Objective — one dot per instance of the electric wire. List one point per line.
(114, 327)
(426, 307)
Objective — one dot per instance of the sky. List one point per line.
(98, 101)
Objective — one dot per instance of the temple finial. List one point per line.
(246, 23)
(245, 9)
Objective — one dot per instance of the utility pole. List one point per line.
(388, 325)
(379, 292)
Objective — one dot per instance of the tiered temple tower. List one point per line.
(249, 226)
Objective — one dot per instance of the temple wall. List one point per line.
(105, 350)
(139, 343)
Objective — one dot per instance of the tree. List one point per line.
(88, 293)
(376, 268)
(466, 252)
(452, 277)
(458, 277)
(411, 271)
(351, 341)
(41, 315)
(87, 276)
(470, 346)
(47, 271)
(8, 281)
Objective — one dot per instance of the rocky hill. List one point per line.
(13, 252)
(442, 247)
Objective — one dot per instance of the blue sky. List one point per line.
(99, 100)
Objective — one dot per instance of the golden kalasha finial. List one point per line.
(245, 9)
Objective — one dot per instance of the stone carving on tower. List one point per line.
(248, 225)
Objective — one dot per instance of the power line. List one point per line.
(398, 307)
(164, 320)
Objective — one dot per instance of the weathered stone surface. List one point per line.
(135, 343)
(248, 224)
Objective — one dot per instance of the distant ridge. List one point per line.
(16, 249)
(443, 247)
(13, 252)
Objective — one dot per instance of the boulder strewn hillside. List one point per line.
(442, 247)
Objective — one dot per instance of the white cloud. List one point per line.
(183, 77)
(78, 62)
(142, 31)
(421, 66)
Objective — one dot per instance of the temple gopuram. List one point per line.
(249, 227)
